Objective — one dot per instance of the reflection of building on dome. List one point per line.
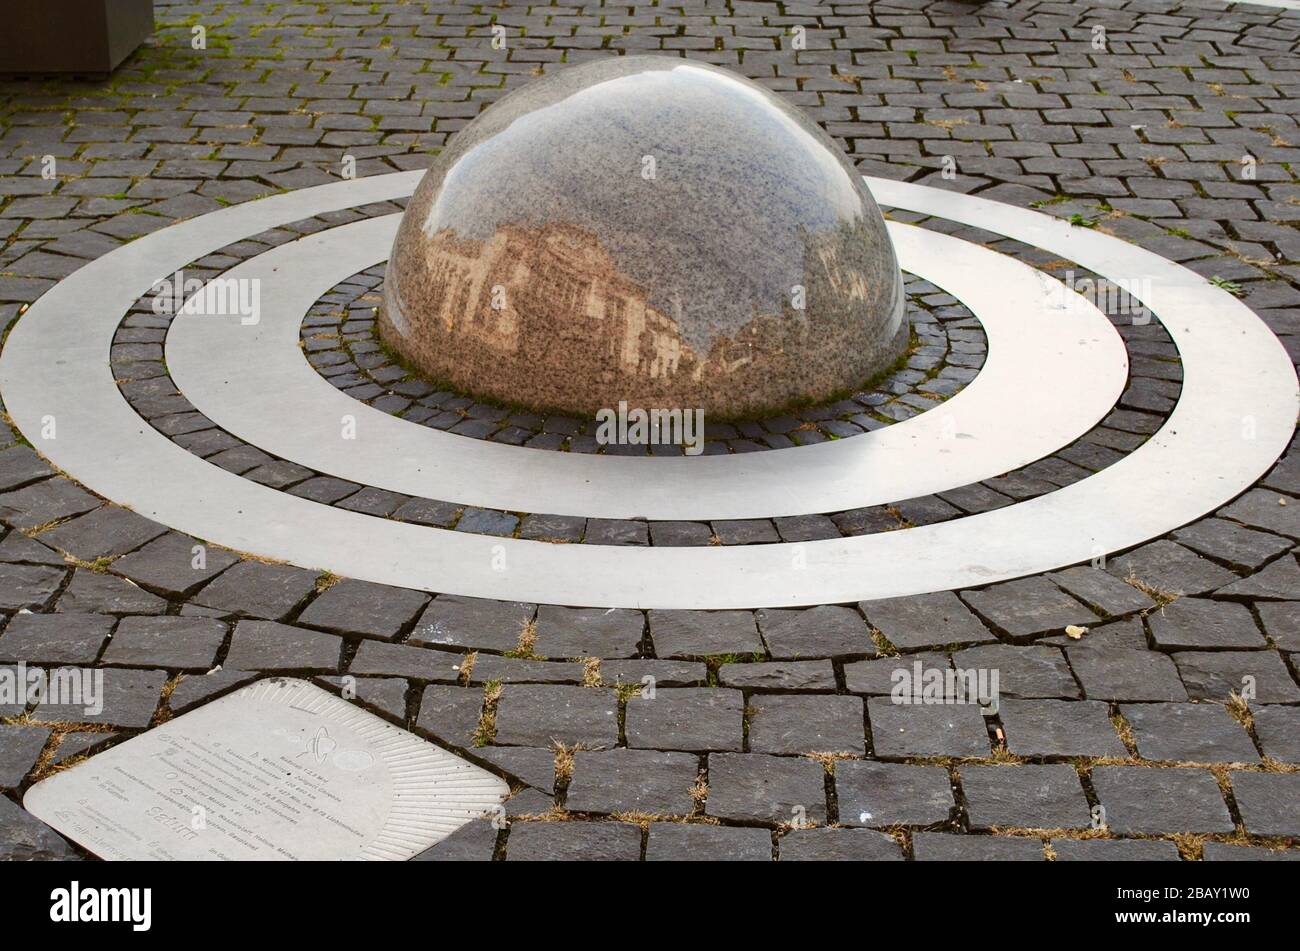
(551, 296)
(558, 271)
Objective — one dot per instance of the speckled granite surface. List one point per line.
(651, 230)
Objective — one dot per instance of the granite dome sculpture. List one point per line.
(644, 229)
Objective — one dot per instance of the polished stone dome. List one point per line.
(645, 229)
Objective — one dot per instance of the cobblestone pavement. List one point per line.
(761, 734)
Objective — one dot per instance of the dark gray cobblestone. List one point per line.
(1045, 728)
(1267, 802)
(687, 718)
(805, 724)
(1110, 850)
(899, 732)
(1188, 732)
(92, 592)
(753, 787)
(676, 842)
(627, 781)
(838, 845)
(1042, 797)
(365, 609)
(892, 794)
(927, 620)
(1142, 800)
(268, 645)
(129, 698)
(944, 847)
(543, 716)
(171, 642)
(568, 841)
(24, 838)
(1278, 730)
